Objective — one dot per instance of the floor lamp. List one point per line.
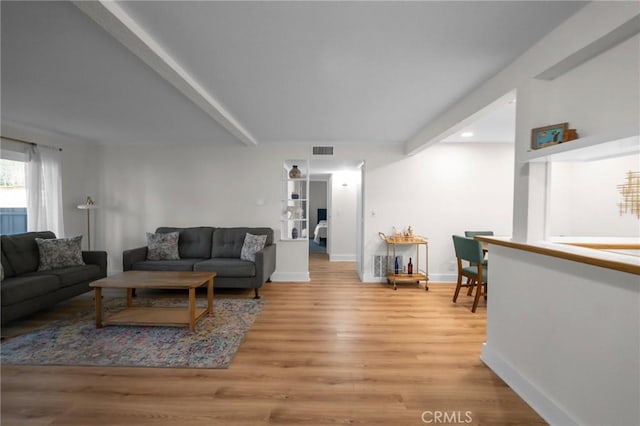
(88, 206)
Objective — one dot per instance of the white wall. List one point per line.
(584, 198)
(185, 185)
(566, 337)
(435, 191)
(144, 188)
(343, 216)
(443, 190)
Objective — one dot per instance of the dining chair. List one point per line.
(471, 234)
(470, 250)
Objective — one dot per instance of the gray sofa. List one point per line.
(25, 290)
(212, 250)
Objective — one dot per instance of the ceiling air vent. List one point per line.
(322, 150)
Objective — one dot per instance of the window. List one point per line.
(13, 197)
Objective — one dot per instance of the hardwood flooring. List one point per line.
(330, 352)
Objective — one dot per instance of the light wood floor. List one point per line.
(331, 352)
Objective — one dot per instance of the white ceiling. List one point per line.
(325, 72)
(495, 124)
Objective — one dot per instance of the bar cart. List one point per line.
(402, 240)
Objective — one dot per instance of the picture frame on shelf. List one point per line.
(542, 137)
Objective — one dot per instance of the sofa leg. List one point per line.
(269, 279)
(257, 296)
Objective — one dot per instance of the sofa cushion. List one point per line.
(193, 242)
(162, 246)
(22, 252)
(166, 265)
(72, 275)
(226, 267)
(17, 289)
(6, 267)
(59, 253)
(252, 245)
(228, 242)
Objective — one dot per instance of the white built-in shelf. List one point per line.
(297, 207)
(617, 143)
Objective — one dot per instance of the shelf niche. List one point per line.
(295, 206)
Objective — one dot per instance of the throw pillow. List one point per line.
(162, 246)
(59, 252)
(252, 245)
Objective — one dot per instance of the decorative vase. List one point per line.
(294, 233)
(295, 172)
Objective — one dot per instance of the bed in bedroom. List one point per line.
(320, 232)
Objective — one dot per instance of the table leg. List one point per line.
(192, 309)
(98, 297)
(210, 297)
(129, 297)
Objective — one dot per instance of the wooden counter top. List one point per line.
(584, 252)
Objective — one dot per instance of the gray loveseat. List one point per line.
(25, 290)
(212, 250)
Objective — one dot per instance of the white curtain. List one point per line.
(44, 190)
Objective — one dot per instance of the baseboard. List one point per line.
(342, 257)
(538, 400)
(443, 278)
(290, 277)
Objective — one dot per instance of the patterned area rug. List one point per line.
(76, 341)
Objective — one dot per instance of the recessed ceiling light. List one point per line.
(466, 134)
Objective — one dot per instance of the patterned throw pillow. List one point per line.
(252, 245)
(162, 246)
(59, 252)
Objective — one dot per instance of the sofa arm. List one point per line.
(132, 256)
(265, 263)
(96, 258)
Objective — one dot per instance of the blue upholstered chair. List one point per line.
(470, 250)
(471, 234)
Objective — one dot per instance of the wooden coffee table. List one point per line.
(162, 316)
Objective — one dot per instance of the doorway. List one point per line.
(318, 211)
(335, 210)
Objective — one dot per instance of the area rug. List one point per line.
(77, 342)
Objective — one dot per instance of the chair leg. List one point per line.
(458, 286)
(470, 287)
(477, 298)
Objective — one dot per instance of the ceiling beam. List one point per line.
(110, 16)
(612, 39)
